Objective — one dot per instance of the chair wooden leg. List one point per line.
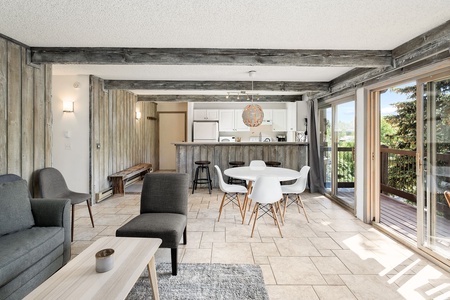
(286, 199)
(253, 213)
(90, 212)
(278, 209)
(276, 218)
(298, 202)
(244, 206)
(256, 217)
(221, 206)
(240, 205)
(185, 236)
(303, 206)
(73, 220)
(174, 257)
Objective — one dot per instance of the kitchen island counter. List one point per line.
(292, 155)
(240, 143)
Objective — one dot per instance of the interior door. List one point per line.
(433, 164)
(172, 128)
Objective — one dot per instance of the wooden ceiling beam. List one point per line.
(209, 56)
(279, 86)
(216, 98)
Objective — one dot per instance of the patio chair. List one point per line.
(164, 207)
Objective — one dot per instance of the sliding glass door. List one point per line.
(434, 164)
(337, 138)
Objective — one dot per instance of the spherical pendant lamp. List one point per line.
(253, 115)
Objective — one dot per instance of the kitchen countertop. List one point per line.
(241, 143)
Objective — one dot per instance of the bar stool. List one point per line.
(273, 163)
(202, 165)
(231, 180)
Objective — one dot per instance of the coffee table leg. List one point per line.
(153, 279)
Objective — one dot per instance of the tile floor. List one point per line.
(335, 256)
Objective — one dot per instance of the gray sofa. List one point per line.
(34, 237)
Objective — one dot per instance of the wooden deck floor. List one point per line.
(402, 217)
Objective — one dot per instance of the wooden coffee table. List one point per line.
(79, 280)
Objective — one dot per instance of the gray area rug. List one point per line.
(204, 281)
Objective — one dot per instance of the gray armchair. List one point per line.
(53, 185)
(164, 206)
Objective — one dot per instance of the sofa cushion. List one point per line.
(15, 207)
(21, 250)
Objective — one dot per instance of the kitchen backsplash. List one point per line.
(254, 134)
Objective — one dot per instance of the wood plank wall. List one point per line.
(25, 114)
(118, 140)
(292, 156)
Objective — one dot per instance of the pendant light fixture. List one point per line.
(253, 115)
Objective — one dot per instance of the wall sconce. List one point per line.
(138, 115)
(67, 106)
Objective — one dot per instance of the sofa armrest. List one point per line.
(55, 213)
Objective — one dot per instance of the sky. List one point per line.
(389, 97)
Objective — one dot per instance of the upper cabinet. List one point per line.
(231, 120)
(279, 122)
(267, 117)
(206, 114)
(291, 116)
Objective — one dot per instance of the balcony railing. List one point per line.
(398, 173)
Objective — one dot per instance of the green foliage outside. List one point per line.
(399, 132)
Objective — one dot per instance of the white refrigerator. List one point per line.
(206, 131)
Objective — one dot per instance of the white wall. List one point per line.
(71, 131)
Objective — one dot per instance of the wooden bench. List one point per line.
(119, 179)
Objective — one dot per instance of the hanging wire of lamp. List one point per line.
(253, 115)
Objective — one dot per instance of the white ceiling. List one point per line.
(283, 24)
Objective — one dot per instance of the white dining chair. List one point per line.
(230, 192)
(266, 193)
(257, 164)
(295, 190)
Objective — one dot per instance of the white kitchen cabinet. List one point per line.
(267, 117)
(231, 120)
(226, 120)
(279, 122)
(206, 114)
(238, 123)
(291, 116)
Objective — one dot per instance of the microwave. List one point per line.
(227, 139)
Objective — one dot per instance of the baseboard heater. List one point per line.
(103, 195)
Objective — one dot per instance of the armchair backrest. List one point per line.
(165, 193)
(52, 183)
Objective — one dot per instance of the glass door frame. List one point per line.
(334, 151)
(372, 138)
(423, 238)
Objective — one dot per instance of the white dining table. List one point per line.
(251, 173)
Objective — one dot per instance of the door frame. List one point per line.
(158, 128)
(333, 103)
(373, 173)
(421, 234)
